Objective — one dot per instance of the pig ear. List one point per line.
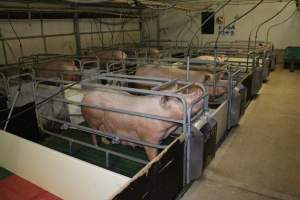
(164, 102)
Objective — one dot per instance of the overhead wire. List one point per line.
(223, 29)
(184, 27)
(282, 22)
(207, 19)
(17, 36)
(235, 20)
(269, 19)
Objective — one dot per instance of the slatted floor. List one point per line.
(261, 157)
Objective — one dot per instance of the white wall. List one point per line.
(60, 44)
(287, 34)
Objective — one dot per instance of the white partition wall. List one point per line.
(67, 177)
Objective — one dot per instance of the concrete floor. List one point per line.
(261, 158)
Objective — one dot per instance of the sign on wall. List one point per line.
(229, 31)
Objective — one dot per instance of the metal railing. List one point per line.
(93, 83)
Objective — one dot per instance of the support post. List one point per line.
(141, 28)
(43, 37)
(158, 29)
(77, 34)
(4, 52)
(3, 48)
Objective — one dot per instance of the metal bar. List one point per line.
(11, 109)
(184, 87)
(158, 29)
(96, 147)
(157, 88)
(4, 52)
(150, 116)
(106, 160)
(76, 33)
(104, 134)
(63, 34)
(43, 36)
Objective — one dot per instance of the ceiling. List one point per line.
(130, 5)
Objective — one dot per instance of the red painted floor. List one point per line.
(17, 188)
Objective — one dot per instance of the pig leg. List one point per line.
(151, 152)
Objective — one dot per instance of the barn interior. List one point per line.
(158, 99)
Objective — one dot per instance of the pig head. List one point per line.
(57, 69)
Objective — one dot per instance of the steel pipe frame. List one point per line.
(136, 49)
(34, 59)
(14, 100)
(244, 45)
(71, 140)
(66, 34)
(6, 79)
(235, 72)
(229, 87)
(201, 113)
(140, 91)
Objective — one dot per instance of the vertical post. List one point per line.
(102, 37)
(43, 37)
(292, 66)
(158, 29)
(76, 33)
(141, 28)
(4, 52)
(3, 48)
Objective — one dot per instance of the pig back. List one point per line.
(110, 55)
(172, 73)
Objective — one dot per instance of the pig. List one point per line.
(202, 76)
(57, 69)
(107, 56)
(139, 128)
(116, 55)
(220, 59)
(152, 52)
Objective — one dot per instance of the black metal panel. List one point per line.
(3, 100)
(243, 93)
(209, 27)
(247, 82)
(24, 124)
(210, 146)
(164, 179)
